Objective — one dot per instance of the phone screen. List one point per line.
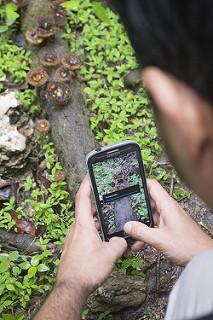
(120, 189)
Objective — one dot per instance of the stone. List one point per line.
(16, 132)
(117, 293)
(8, 100)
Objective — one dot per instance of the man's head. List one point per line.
(173, 41)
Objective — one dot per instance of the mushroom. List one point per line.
(56, 3)
(59, 175)
(60, 16)
(70, 61)
(63, 74)
(37, 77)
(58, 93)
(42, 126)
(32, 37)
(46, 27)
(49, 59)
(20, 3)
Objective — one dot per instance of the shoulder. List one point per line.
(192, 295)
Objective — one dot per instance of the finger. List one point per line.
(160, 198)
(156, 191)
(116, 247)
(83, 208)
(94, 209)
(142, 232)
(156, 218)
(137, 246)
(97, 223)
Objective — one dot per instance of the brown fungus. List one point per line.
(71, 62)
(59, 175)
(37, 77)
(46, 27)
(63, 74)
(57, 3)
(49, 59)
(32, 37)
(60, 17)
(58, 93)
(42, 126)
(20, 3)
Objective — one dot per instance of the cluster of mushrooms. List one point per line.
(54, 74)
(54, 71)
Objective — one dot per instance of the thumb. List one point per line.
(142, 232)
(116, 247)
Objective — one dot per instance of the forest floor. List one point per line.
(35, 204)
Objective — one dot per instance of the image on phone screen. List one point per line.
(120, 190)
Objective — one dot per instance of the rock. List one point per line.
(8, 100)
(16, 131)
(10, 139)
(118, 292)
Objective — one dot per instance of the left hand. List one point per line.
(87, 261)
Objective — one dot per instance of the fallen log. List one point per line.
(24, 243)
(69, 120)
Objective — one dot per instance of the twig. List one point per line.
(158, 272)
(171, 189)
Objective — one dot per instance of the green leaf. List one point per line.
(13, 256)
(35, 261)
(4, 266)
(7, 316)
(32, 271)
(11, 14)
(10, 287)
(24, 265)
(101, 12)
(3, 28)
(71, 5)
(43, 268)
(16, 270)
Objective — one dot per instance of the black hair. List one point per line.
(174, 35)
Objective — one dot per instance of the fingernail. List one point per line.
(128, 227)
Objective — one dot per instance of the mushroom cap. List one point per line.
(58, 93)
(32, 37)
(37, 77)
(20, 3)
(63, 74)
(46, 27)
(49, 59)
(59, 175)
(56, 3)
(60, 16)
(71, 62)
(42, 126)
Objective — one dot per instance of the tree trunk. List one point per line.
(70, 126)
(21, 242)
(123, 213)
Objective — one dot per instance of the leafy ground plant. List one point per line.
(116, 112)
(23, 277)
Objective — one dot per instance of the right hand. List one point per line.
(177, 236)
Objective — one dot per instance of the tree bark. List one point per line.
(123, 213)
(70, 125)
(21, 242)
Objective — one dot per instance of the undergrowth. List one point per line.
(21, 276)
(116, 112)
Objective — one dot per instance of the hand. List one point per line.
(87, 261)
(177, 236)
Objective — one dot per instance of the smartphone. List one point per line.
(119, 186)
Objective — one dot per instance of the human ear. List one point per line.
(187, 113)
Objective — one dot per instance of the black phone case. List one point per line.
(100, 153)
